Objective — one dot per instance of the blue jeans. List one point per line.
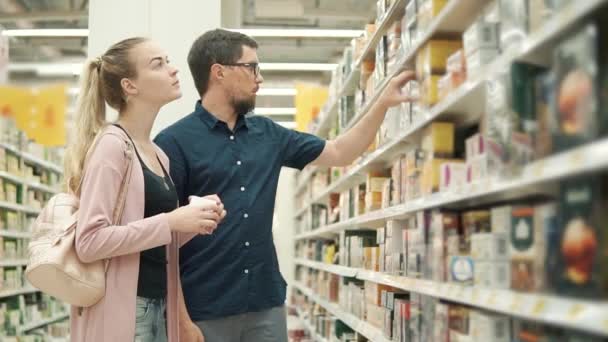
(150, 324)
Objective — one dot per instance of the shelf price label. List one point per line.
(516, 303)
(575, 311)
(539, 307)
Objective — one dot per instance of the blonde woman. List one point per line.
(143, 300)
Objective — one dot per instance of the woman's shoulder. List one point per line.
(112, 144)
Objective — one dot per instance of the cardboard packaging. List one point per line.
(480, 35)
(490, 246)
(514, 19)
(432, 58)
(575, 259)
(478, 60)
(429, 10)
(452, 176)
(438, 140)
(493, 274)
(461, 269)
(529, 249)
(485, 326)
(576, 103)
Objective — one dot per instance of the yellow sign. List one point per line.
(309, 100)
(40, 114)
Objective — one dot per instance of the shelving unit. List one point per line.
(463, 106)
(590, 316)
(356, 324)
(315, 337)
(35, 325)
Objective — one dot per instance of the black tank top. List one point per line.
(160, 197)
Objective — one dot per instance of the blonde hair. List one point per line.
(99, 83)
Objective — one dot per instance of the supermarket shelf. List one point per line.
(577, 161)
(304, 177)
(456, 16)
(396, 11)
(573, 313)
(464, 105)
(12, 178)
(13, 263)
(11, 206)
(370, 332)
(35, 325)
(41, 187)
(15, 234)
(313, 333)
(31, 159)
(31, 211)
(12, 293)
(40, 162)
(350, 83)
(335, 269)
(327, 118)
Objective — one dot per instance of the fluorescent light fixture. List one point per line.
(288, 124)
(275, 111)
(297, 66)
(277, 92)
(46, 33)
(47, 69)
(300, 33)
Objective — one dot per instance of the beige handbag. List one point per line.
(54, 267)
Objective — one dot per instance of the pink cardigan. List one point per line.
(113, 318)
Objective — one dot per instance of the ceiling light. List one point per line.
(46, 33)
(277, 92)
(275, 111)
(47, 69)
(313, 33)
(297, 66)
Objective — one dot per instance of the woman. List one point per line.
(142, 282)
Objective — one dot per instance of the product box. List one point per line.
(478, 60)
(514, 20)
(461, 269)
(444, 87)
(444, 240)
(479, 36)
(474, 222)
(431, 175)
(493, 274)
(458, 319)
(529, 250)
(474, 146)
(477, 168)
(374, 315)
(522, 235)
(429, 10)
(543, 91)
(490, 246)
(457, 62)
(485, 326)
(501, 219)
(575, 259)
(452, 176)
(432, 58)
(438, 140)
(429, 91)
(576, 103)
(396, 170)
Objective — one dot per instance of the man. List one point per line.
(231, 280)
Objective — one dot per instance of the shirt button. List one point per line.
(238, 162)
(246, 271)
(242, 188)
(246, 215)
(232, 137)
(247, 244)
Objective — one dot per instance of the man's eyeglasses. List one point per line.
(255, 67)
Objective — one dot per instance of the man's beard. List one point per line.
(242, 107)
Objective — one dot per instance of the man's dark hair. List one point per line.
(215, 46)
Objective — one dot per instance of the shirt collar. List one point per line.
(212, 122)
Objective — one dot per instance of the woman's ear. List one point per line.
(128, 87)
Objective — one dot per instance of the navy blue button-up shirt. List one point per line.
(234, 270)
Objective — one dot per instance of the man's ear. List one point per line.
(217, 71)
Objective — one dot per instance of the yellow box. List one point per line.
(433, 57)
(430, 91)
(438, 140)
(431, 175)
(428, 10)
(373, 201)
